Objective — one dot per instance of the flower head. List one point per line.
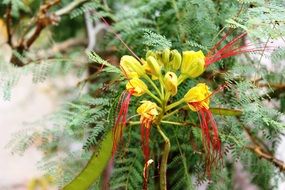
(171, 83)
(148, 112)
(153, 67)
(165, 55)
(193, 63)
(136, 86)
(198, 97)
(131, 67)
(170, 59)
(175, 60)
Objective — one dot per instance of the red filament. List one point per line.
(210, 136)
(121, 120)
(145, 136)
(232, 48)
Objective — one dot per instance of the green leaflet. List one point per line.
(225, 112)
(94, 167)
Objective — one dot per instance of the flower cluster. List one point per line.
(157, 77)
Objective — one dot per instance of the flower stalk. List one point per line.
(175, 104)
(164, 158)
(153, 85)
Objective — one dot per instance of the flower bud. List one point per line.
(153, 65)
(131, 67)
(148, 110)
(198, 97)
(150, 53)
(165, 56)
(148, 69)
(175, 60)
(136, 86)
(193, 63)
(170, 82)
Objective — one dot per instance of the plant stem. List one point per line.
(178, 123)
(152, 83)
(161, 86)
(175, 111)
(153, 96)
(163, 164)
(173, 105)
(134, 122)
(181, 78)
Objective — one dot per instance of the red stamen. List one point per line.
(210, 137)
(145, 136)
(121, 120)
(231, 49)
(217, 45)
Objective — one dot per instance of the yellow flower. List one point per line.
(131, 67)
(148, 70)
(136, 86)
(153, 67)
(198, 97)
(148, 111)
(151, 53)
(165, 56)
(193, 63)
(175, 60)
(171, 82)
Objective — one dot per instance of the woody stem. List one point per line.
(163, 164)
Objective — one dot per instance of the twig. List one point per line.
(43, 19)
(267, 156)
(277, 90)
(69, 7)
(8, 22)
(261, 150)
(92, 30)
(271, 85)
(57, 48)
